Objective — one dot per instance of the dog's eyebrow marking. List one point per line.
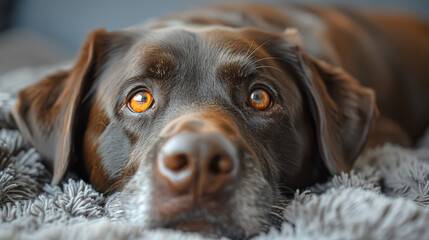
(235, 67)
(235, 71)
(157, 64)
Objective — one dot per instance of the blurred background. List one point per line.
(45, 32)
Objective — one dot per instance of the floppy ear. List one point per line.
(49, 112)
(343, 110)
(344, 113)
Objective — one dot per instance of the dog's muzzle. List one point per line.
(201, 176)
(195, 171)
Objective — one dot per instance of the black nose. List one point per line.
(204, 163)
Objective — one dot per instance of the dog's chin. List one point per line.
(201, 223)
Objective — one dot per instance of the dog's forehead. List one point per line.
(159, 52)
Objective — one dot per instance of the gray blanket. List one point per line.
(386, 196)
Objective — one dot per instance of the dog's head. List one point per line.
(203, 129)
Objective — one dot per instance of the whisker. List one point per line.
(279, 207)
(285, 189)
(277, 215)
(250, 47)
(269, 67)
(267, 58)
(256, 49)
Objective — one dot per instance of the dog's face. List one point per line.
(203, 129)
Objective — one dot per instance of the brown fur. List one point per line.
(330, 72)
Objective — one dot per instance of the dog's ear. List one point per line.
(343, 110)
(344, 113)
(48, 112)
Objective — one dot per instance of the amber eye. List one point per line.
(259, 99)
(140, 102)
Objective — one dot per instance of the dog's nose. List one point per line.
(202, 163)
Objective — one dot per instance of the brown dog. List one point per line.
(207, 119)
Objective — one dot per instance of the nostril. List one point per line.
(177, 162)
(220, 165)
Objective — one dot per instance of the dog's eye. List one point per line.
(140, 102)
(259, 99)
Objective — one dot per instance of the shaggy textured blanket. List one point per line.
(386, 196)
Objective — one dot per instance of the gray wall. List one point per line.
(68, 22)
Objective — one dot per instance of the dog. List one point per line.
(206, 120)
